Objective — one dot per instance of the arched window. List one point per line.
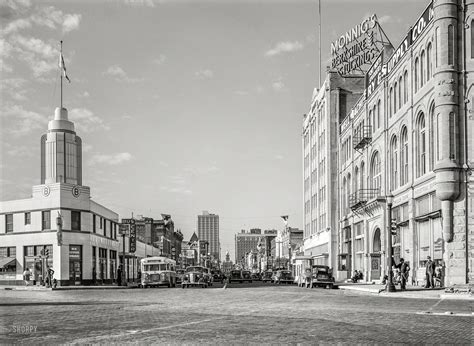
(450, 44)
(375, 172)
(421, 145)
(362, 184)
(434, 138)
(371, 126)
(348, 192)
(379, 104)
(374, 120)
(429, 62)
(390, 98)
(417, 68)
(437, 41)
(422, 68)
(405, 87)
(400, 90)
(395, 103)
(394, 163)
(404, 157)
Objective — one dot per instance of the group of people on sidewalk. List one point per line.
(49, 281)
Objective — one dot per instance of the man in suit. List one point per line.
(430, 271)
(404, 272)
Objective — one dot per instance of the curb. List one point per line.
(410, 295)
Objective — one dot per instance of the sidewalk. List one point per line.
(411, 291)
(68, 288)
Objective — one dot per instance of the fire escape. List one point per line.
(362, 137)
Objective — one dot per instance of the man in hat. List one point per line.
(404, 272)
(430, 271)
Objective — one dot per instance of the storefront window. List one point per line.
(424, 242)
(75, 264)
(113, 264)
(437, 240)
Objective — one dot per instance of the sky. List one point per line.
(182, 106)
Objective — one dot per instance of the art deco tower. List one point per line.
(61, 151)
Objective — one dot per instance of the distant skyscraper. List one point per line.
(208, 229)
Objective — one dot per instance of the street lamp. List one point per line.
(390, 285)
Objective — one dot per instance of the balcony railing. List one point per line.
(361, 197)
(362, 137)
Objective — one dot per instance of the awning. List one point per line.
(302, 258)
(6, 261)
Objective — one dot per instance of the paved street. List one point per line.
(241, 313)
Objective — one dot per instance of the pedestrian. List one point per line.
(430, 272)
(404, 272)
(26, 276)
(119, 276)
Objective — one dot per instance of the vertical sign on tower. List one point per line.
(133, 238)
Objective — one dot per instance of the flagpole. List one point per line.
(319, 10)
(61, 72)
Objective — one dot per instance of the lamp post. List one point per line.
(390, 285)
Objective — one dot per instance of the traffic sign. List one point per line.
(123, 229)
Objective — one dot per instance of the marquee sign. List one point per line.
(379, 70)
(357, 47)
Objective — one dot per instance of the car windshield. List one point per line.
(195, 269)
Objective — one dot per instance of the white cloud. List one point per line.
(160, 60)
(86, 121)
(179, 190)
(16, 25)
(126, 116)
(112, 159)
(19, 121)
(120, 75)
(278, 85)
(71, 22)
(15, 88)
(284, 47)
(204, 74)
(146, 3)
(85, 94)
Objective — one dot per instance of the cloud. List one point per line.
(178, 190)
(126, 116)
(204, 74)
(279, 157)
(388, 19)
(146, 3)
(19, 151)
(71, 22)
(278, 85)
(86, 121)
(164, 164)
(112, 159)
(15, 88)
(160, 60)
(19, 121)
(284, 47)
(120, 75)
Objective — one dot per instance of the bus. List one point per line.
(158, 271)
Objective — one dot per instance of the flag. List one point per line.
(285, 219)
(62, 66)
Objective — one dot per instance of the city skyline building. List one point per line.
(208, 229)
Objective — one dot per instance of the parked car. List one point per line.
(267, 276)
(196, 276)
(179, 276)
(246, 276)
(235, 276)
(255, 276)
(283, 277)
(217, 276)
(322, 276)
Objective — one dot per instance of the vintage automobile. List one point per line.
(217, 276)
(179, 276)
(322, 276)
(256, 276)
(246, 276)
(267, 276)
(196, 276)
(283, 277)
(235, 276)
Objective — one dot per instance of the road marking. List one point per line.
(135, 332)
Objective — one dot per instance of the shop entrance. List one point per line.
(375, 260)
(75, 264)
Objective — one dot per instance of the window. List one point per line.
(472, 39)
(405, 87)
(416, 73)
(8, 251)
(362, 176)
(94, 226)
(375, 172)
(422, 68)
(379, 103)
(400, 91)
(452, 136)
(370, 121)
(105, 228)
(450, 44)
(395, 88)
(433, 138)
(394, 163)
(100, 225)
(404, 156)
(46, 219)
(28, 218)
(390, 98)
(437, 41)
(421, 145)
(429, 62)
(9, 223)
(75, 220)
(374, 120)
